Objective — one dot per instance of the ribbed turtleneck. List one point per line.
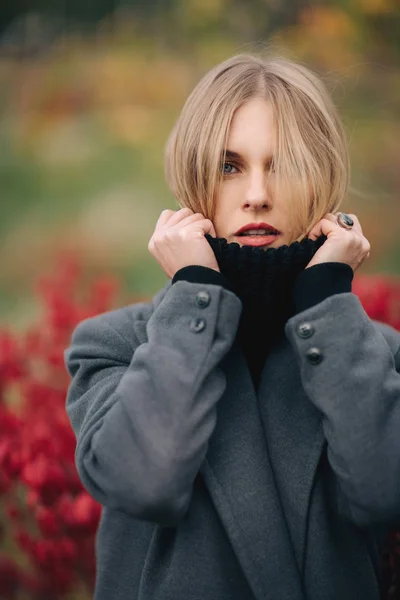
(273, 285)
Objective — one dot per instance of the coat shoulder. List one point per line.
(124, 324)
(391, 335)
(111, 335)
(123, 319)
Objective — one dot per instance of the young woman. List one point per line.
(241, 429)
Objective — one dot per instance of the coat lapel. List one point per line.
(260, 467)
(240, 481)
(294, 436)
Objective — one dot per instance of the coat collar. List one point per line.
(260, 467)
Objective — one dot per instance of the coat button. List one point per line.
(197, 325)
(203, 299)
(314, 356)
(305, 330)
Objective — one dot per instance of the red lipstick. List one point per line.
(257, 234)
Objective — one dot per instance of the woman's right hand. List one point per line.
(178, 241)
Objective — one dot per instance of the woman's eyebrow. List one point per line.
(230, 154)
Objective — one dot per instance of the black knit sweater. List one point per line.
(273, 285)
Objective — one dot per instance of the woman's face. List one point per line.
(247, 194)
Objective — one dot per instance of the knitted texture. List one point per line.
(263, 276)
(263, 280)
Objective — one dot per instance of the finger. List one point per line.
(164, 217)
(170, 217)
(205, 225)
(316, 231)
(211, 229)
(331, 217)
(357, 225)
(190, 219)
(178, 216)
(323, 227)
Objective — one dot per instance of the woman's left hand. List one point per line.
(342, 245)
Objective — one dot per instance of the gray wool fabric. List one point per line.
(212, 491)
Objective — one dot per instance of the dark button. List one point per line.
(314, 356)
(203, 299)
(197, 325)
(305, 330)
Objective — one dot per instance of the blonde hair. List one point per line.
(311, 159)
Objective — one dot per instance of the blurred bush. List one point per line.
(48, 519)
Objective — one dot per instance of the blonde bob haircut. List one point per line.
(311, 161)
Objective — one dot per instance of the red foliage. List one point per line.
(46, 512)
(380, 297)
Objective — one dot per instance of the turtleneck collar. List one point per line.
(263, 280)
(263, 277)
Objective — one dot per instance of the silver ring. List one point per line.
(344, 220)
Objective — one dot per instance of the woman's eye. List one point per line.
(227, 168)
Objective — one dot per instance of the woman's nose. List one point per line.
(257, 194)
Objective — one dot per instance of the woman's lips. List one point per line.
(256, 240)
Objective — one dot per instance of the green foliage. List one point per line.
(84, 122)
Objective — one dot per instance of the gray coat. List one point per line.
(214, 492)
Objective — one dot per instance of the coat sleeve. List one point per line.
(143, 414)
(351, 374)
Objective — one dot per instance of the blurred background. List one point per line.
(89, 91)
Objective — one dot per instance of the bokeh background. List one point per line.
(89, 91)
